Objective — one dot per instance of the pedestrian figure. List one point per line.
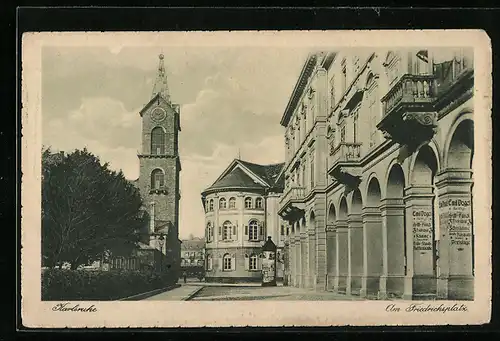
(185, 276)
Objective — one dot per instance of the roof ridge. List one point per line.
(260, 164)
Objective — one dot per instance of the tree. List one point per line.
(87, 210)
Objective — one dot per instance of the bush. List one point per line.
(84, 285)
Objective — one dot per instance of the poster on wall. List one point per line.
(269, 263)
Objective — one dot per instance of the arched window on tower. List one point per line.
(211, 205)
(157, 141)
(232, 203)
(222, 203)
(258, 203)
(157, 179)
(248, 202)
(227, 264)
(209, 232)
(253, 262)
(227, 230)
(253, 230)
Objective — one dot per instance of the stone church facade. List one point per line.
(378, 174)
(241, 211)
(160, 168)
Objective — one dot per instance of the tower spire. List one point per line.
(161, 84)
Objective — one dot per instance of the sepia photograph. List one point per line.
(320, 175)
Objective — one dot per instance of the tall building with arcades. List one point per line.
(378, 173)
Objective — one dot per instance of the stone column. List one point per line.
(456, 246)
(331, 260)
(372, 251)
(355, 254)
(342, 256)
(304, 242)
(321, 259)
(393, 249)
(286, 261)
(311, 235)
(291, 260)
(298, 260)
(420, 280)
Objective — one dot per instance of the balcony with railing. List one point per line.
(344, 162)
(408, 109)
(411, 91)
(292, 202)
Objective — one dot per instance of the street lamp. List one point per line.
(161, 242)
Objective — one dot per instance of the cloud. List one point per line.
(231, 101)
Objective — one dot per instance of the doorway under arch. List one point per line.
(304, 253)
(355, 237)
(312, 250)
(393, 217)
(455, 188)
(422, 221)
(331, 247)
(342, 247)
(372, 240)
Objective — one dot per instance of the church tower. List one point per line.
(160, 168)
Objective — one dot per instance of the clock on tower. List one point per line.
(159, 169)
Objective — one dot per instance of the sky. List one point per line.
(232, 100)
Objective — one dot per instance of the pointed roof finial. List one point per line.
(239, 153)
(161, 85)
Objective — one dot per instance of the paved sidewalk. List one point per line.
(267, 293)
(177, 294)
(204, 284)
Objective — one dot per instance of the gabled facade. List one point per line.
(193, 253)
(378, 175)
(240, 213)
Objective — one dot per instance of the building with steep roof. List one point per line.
(192, 253)
(240, 213)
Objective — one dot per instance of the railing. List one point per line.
(345, 152)
(293, 193)
(410, 89)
